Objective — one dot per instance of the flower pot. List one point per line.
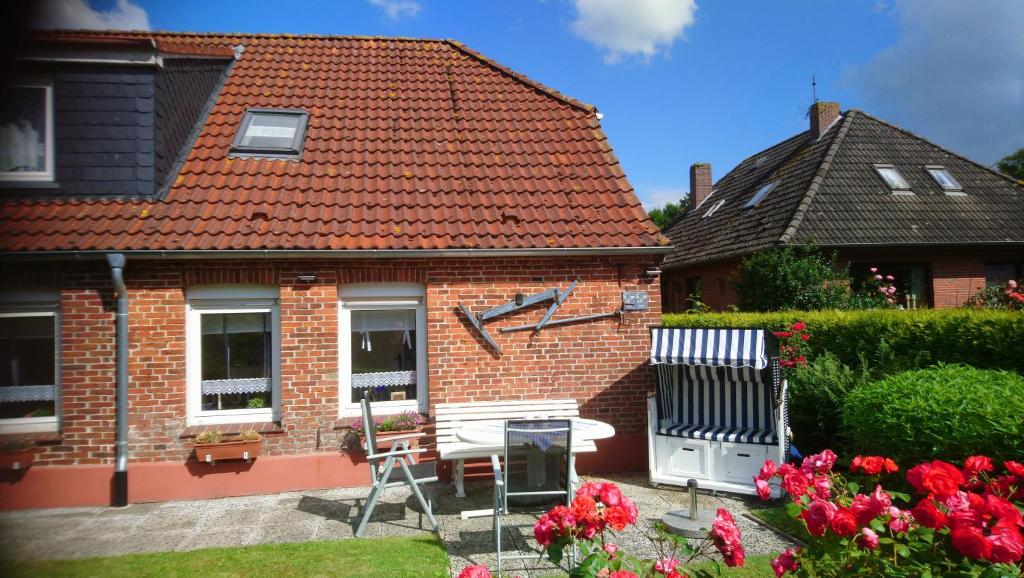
(231, 450)
(17, 459)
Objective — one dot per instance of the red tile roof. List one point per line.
(411, 145)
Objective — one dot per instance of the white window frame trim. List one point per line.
(47, 175)
(194, 309)
(39, 424)
(377, 296)
(957, 191)
(908, 190)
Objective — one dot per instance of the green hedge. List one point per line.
(945, 412)
(986, 339)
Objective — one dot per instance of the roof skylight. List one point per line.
(713, 208)
(760, 194)
(271, 132)
(893, 178)
(944, 179)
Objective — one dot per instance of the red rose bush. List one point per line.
(600, 509)
(962, 521)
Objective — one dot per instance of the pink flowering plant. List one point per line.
(1009, 296)
(962, 521)
(599, 510)
(405, 421)
(878, 291)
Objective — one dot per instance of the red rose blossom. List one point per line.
(795, 485)
(726, 537)
(928, 515)
(970, 542)
(938, 478)
(1015, 468)
(974, 465)
(844, 523)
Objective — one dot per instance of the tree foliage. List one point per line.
(1012, 165)
(663, 215)
(787, 278)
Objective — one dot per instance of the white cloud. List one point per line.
(77, 14)
(632, 27)
(955, 75)
(657, 198)
(397, 9)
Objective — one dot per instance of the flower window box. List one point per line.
(211, 447)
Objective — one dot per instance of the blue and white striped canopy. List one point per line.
(709, 347)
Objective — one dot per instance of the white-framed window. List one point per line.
(761, 193)
(26, 132)
(944, 179)
(29, 370)
(233, 360)
(271, 132)
(382, 347)
(893, 179)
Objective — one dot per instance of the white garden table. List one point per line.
(490, 436)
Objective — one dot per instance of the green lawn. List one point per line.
(384, 557)
(777, 517)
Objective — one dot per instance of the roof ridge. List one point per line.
(819, 177)
(522, 77)
(185, 33)
(938, 146)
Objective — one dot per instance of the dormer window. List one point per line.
(893, 178)
(760, 194)
(944, 179)
(713, 208)
(26, 132)
(271, 133)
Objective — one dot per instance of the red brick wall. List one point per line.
(954, 280)
(717, 286)
(956, 274)
(601, 363)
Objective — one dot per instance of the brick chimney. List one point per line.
(823, 114)
(700, 182)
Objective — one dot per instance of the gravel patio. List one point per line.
(328, 515)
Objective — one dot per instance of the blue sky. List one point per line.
(681, 81)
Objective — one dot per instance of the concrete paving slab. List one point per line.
(333, 514)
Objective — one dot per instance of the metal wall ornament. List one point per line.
(557, 297)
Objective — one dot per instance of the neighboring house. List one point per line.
(880, 196)
(300, 218)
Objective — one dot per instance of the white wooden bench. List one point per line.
(449, 417)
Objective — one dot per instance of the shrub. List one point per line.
(788, 278)
(210, 437)
(817, 393)
(1009, 297)
(912, 339)
(943, 412)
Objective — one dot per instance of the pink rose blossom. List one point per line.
(611, 549)
(785, 562)
(478, 571)
(666, 565)
(764, 491)
(868, 539)
(899, 520)
(874, 269)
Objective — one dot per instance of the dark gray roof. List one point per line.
(828, 193)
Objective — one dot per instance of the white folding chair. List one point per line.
(384, 475)
(537, 466)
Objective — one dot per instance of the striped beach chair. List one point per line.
(720, 407)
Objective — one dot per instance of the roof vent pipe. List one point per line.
(117, 263)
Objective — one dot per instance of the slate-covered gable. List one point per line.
(830, 195)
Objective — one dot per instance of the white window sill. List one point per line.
(29, 425)
(233, 416)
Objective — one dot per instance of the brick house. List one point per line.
(876, 194)
(296, 220)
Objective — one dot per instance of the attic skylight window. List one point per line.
(271, 133)
(713, 208)
(944, 179)
(893, 178)
(760, 194)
